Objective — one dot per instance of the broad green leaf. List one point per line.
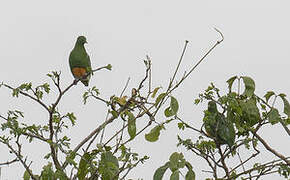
(159, 98)
(176, 161)
(249, 86)
(109, 166)
(26, 175)
(175, 175)
(153, 135)
(190, 175)
(230, 82)
(131, 124)
(286, 105)
(158, 175)
(274, 116)
(174, 105)
(154, 92)
(268, 95)
(83, 166)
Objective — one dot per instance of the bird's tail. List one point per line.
(85, 82)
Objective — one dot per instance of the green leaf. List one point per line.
(153, 135)
(172, 109)
(168, 112)
(158, 175)
(159, 98)
(174, 105)
(114, 114)
(249, 86)
(176, 161)
(230, 82)
(109, 166)
(286, 104)
(274, 116)
(60, 175)
(47, 172)
(15, 92)
(26, 175)
(109, 67)
(175, 175)
(268, 95)
(131, 124)
(72, 118)
(155, 91)
(83, 166)
(190, 175)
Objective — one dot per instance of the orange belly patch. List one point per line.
(79, 72)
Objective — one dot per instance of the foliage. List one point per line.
(243, 115)
(231, 121)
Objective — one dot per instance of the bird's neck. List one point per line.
(79, 46)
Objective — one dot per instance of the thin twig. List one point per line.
(271, 149)
(127, 83)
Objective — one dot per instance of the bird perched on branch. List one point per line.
(79, 61)
(218, 126)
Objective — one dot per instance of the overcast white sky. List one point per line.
(37, 37)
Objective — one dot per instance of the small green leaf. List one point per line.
(175, 175)
(26, 175)
(114, 114)
(249, 86)
(15, 92)
(159, 98)
(85, 97)
(268, 95)
(230, 82)
(72, 118)
(286, 104)
(109, 67)
(153, 135)
(274, 116)
(47, 156)
(154, 92)
(159, 173)
(131, 124)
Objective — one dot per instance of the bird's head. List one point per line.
(81, 40)
(212, 106)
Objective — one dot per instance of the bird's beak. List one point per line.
(86, 42)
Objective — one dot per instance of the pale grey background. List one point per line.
(37, 36)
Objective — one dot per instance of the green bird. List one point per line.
(79, 61)
(218, 126)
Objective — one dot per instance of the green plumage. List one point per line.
(218, 126)
(80, 59)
